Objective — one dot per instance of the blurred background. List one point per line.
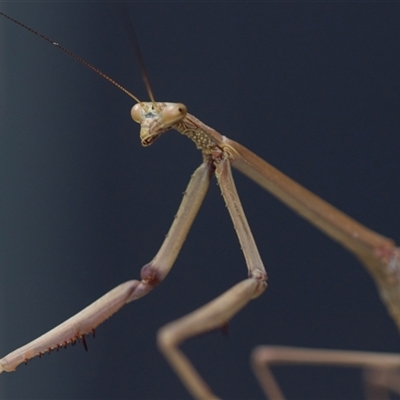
(313, 88)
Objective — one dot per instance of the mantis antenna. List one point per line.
(123, 14)
(81, 60)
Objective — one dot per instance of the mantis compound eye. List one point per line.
(136, 113)
(173, 114)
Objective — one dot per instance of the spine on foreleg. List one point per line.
(73, 329)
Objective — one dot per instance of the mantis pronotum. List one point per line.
(275, 238)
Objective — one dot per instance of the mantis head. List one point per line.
(156, 118)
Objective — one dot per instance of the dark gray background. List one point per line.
(313, 88)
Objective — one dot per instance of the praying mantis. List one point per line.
(260, 120)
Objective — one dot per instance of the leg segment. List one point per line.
(85, 322)
(211, 316)
(388, 366)
(231, 197)
(219, 311)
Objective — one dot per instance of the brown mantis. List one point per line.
(302, 264)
